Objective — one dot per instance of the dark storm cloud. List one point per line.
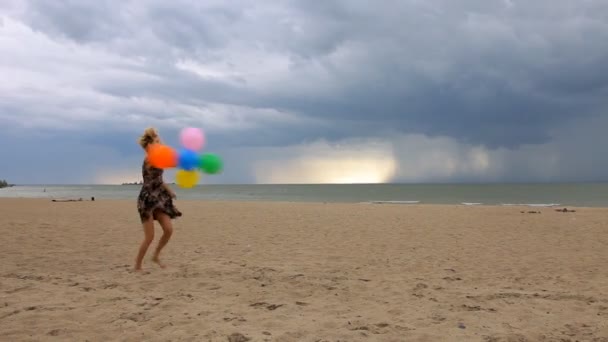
(488, 72)
(496, 74)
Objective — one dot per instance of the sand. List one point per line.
(304, 272)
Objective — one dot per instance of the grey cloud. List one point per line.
(497, 80)
(75, 19)
(46, 159)
(503, 75)
(191, 27)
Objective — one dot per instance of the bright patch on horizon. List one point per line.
(113, 177)
(350, 162)
(329, 171)
(362, 172)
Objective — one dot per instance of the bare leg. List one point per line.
(148, 237)
(165, 223)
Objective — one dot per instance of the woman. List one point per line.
(155, 202)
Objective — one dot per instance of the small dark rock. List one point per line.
(54, 332)
(238, 337)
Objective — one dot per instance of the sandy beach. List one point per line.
(304, 272)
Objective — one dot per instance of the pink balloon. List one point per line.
(192, 138)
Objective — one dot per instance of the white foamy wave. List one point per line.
(531, 204)
(470, 203)
(394, 202)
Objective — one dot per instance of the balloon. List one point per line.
(188, 160)
(186, 179)
(192, 138)
(162, 156)
(210, 163)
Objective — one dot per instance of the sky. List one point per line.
(300, 91)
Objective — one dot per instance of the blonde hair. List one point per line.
(148, 137)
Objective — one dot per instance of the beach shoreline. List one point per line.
(538, 195)
(304, 271)
(388, 203)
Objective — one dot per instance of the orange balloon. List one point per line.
(162, 156)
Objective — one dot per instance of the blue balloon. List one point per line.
(188, 160)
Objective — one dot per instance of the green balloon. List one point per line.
(210, 163)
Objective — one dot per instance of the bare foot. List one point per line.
(157, 260)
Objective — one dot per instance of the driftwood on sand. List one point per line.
(565, 210)
(71, 200)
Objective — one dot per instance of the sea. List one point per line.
(534, 195)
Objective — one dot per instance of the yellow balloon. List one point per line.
(186, 179)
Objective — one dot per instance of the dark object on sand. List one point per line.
(530, 212)
(565, 210)
(238, 337)
(71, 200)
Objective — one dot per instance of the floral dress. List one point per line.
(153, 195)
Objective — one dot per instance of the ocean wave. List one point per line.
(470, 203)
(531, 204)
(394, 202)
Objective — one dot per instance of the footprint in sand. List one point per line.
(505, 338)
(476, 308)
(54, 332)
(120, 267)
(270, 307)
(15, 312)
(235, 320)
(18, 289)
(148, 305)
(135, 317)
(210, 287)
(110, 286)
(376, 329)
(437, 318)
(452, 278)
(115, 299)
(418, 289)
(578, 329)
(238, 337)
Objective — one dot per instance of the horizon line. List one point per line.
(318, 184)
